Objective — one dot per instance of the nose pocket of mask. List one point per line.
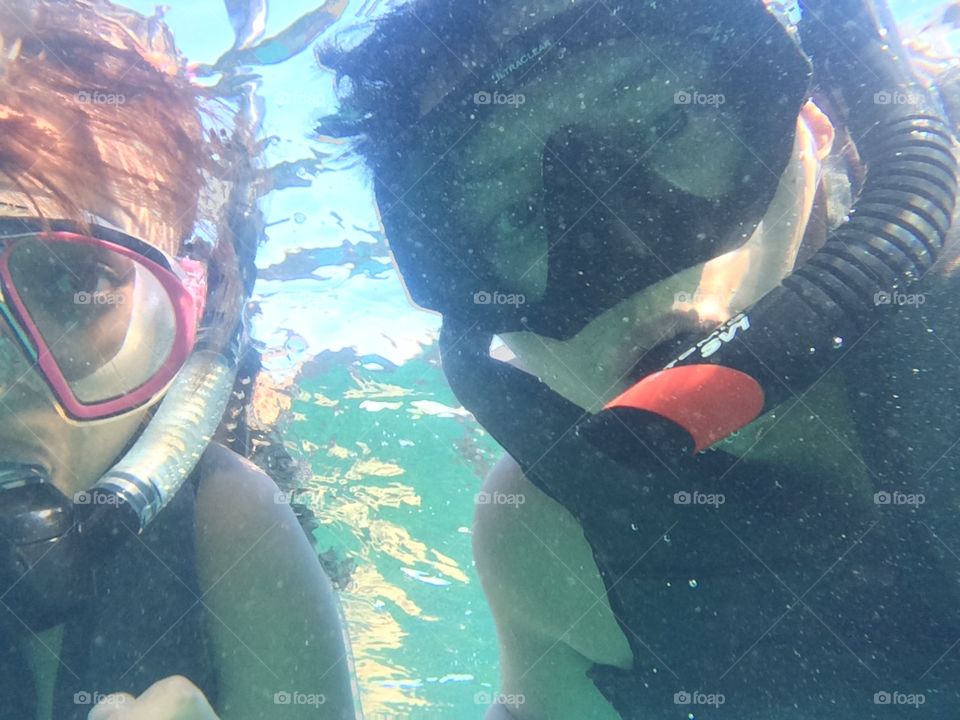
(16, 373)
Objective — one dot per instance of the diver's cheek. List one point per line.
(93, 448)
(737, 279)
(33, 430)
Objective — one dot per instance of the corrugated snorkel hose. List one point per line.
(896, 232)
(898, 226)
(168, 450)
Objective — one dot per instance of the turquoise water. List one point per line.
(389, 462)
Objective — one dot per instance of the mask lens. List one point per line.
(105, 317)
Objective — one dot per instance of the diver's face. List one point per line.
(32, 429)
(595, 117)
(591, 165)
(594, 366)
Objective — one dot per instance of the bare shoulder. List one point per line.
(245, 527)
(231, 484)
(273, 615)
(537, 569)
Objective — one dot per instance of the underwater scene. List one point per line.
(479, 359)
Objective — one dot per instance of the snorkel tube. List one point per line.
(151, 473)
(161, 460)
(793, 335)
(48, 541)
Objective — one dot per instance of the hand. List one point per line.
(173, 698)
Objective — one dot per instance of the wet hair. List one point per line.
(98, 116)
(95, 117)
(429, 44)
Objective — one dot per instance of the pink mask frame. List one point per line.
(186, 298)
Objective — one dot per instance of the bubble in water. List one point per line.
(299, 218)
(693, 583)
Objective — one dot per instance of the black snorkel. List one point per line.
(896, 232)
(46, 552)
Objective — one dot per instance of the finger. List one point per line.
(111, 707)
(176, 694)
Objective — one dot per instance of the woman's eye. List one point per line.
(107, 277)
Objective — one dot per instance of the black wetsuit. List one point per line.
(799, 598)
(145, 624)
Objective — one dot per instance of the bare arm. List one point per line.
(272, 613)
(548, 601)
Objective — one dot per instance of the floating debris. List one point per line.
(424, 578)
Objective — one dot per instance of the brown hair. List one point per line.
(95, 117)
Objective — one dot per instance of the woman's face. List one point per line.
(81, 302)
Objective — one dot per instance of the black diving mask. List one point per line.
(48, 545)
(544, 188)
